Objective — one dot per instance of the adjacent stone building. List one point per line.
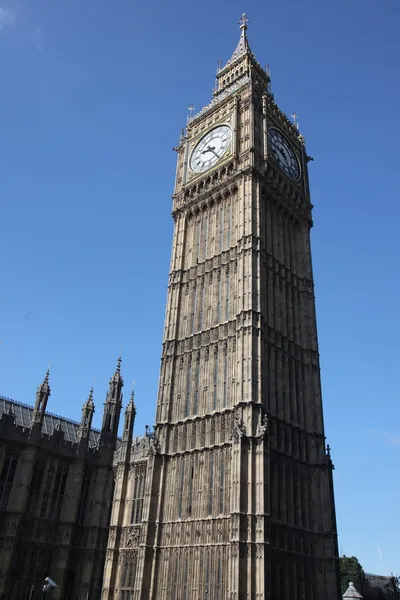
(56, 489)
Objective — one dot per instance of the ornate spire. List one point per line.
(130, 414)
(44, 386)
(117, 377)
(89, 402)
(112, 409)
(243, 47)
(42, 396)
(87, 416)
(131, 406)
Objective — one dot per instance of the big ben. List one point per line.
(238, 499)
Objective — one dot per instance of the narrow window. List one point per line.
(190, 492)
(194, 309)
(47, 490)
(225, 378)
(215, 389)
(182, 482)
(138, 498)
(58, 492)
(198, 241)
(188, 388)
(201, 308)
(7, 477)
(218, 594)
(207, 578)
(227, 293)
(34, 488)
(221, 481)
(229, 225)
(196, 393)
(218, 312)
(211, 484)
(206, 221)
(83, 502)
(185, 579)
(221, 232)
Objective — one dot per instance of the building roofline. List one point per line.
(50, 414)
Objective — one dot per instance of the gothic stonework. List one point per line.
(59, 482)
(239, 500)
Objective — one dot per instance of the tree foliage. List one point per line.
(351, 570)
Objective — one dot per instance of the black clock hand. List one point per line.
(210, 149)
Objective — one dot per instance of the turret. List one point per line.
(130, 414)
(42, 396)
(86, 420)
(112, 409)
(129, 422)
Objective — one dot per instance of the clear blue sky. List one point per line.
(93, 96)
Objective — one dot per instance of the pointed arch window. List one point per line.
(206, 225)
(35, 486)
(196, 391)
(194, 308)
(181, 488)
(185, 579)
(225, 395)
(57, 496)
(221, 481)
(198, 248)
(227, 295)
(211, 484)
(219, 578)
(229, 224)
(188, 389)
(207, 577)
(221, 231)
(190, 491)
(7, 477)
(138, 497)
(218, 311)
(201, 307)
(215, 382)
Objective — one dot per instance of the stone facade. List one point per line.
(56, 488)
(237, 499)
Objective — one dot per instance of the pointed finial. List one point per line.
(90, 397)
(45, 382)
(243, 22)
(294, 117)
(328, 450)
(118, 369)
(219, 65)
(191, 111)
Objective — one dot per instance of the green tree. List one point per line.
(351, 570)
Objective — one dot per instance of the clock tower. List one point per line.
(238, 499)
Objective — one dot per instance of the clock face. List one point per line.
(210, 149)
(284, 154)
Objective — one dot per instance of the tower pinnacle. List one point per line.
(87, 416)
(112, 409)
(42, 396)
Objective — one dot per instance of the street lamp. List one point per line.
(48, 585)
